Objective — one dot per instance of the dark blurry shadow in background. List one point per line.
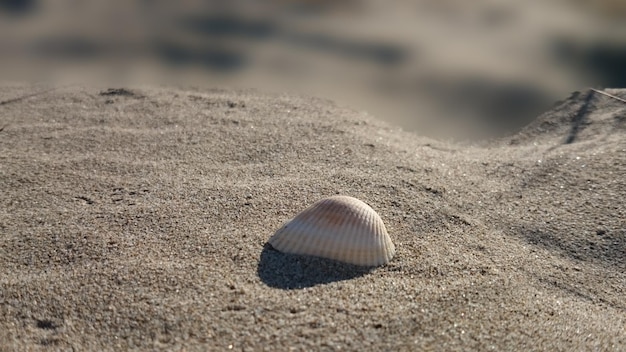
(443, 68)
(17, 7)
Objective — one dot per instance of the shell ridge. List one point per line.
(301, 233)
(348, 238)
(338, 244)
(358, 241)
(365, 235)
(362, 236)
(306, 230)
(332, 243)
(374, 223)
(329, 236)
(381, 243)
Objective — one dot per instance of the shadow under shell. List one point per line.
(289, 271)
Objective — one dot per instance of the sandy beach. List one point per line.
(138, 218)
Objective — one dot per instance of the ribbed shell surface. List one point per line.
(340, 228)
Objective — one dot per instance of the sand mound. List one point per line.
(138, 218)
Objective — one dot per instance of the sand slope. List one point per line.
(138, 218)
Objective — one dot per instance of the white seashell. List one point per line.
(340, 228)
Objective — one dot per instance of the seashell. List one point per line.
(340, 228)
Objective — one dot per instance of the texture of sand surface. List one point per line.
(138, 218)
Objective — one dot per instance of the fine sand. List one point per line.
(138, 218)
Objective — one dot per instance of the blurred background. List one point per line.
(442, 68)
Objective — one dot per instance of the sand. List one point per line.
(137, 218)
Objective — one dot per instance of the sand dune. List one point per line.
(138, 218)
